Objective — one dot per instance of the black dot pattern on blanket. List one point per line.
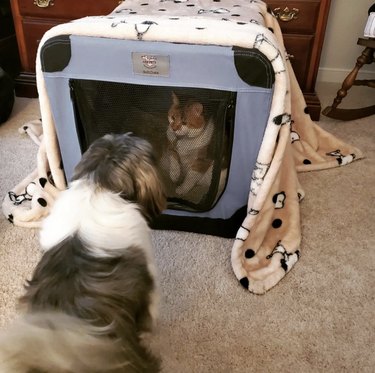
(277, 223)
(42, 182)
(307, 110)
(284, 265)
(42, 202)
(245, 282)
(278, 120)
(249, 253)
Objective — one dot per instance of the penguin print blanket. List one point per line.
(267, 244)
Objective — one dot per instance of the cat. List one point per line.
(187, 158)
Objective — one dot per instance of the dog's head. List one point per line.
(124, 164)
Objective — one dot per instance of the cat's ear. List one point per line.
(196, 109)
(175, 99)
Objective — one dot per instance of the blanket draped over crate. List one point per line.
(267, 244)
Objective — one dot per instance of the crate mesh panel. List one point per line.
(193, 165)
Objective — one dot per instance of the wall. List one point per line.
(346, 22)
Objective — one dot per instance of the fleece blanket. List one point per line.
(267, 244)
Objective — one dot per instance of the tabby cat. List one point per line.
(189, 135)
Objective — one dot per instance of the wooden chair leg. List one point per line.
(350, 114)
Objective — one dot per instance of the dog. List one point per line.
(94, 291)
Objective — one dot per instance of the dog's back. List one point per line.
(93, 292)
(108, 300)
(54, 342)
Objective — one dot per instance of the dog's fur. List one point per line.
(94, 290)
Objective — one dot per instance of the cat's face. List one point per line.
(185, 117)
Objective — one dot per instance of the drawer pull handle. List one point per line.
(286, 15)
(43, 3)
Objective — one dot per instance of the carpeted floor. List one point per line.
(320, 318)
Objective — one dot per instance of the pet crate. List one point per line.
(98, 85)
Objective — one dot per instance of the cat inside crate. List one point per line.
(188, 159)
(184, 125)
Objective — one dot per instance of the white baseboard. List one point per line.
(326, 74)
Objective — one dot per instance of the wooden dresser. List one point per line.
(303, 23)
(32, 18)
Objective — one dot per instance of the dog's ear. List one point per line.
(150, 191)
(125, 165)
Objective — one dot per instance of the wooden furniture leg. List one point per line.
(367, 57)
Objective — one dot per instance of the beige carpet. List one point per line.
(320, 318)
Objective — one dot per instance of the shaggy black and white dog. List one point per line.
(94, 290)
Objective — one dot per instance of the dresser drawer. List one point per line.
(296, 17)
(65, 9)
(33, 32)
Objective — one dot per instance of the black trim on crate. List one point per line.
(253, 67)
(226, 228)
(56, 53)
